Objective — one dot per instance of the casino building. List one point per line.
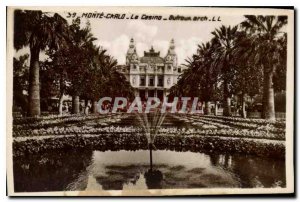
(151, 75)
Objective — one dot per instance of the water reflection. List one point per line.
(49, 172)
(121, 170)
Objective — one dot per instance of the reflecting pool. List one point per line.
(123, 170)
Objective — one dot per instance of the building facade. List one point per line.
(151, 75)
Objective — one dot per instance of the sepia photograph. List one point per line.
(149, 101)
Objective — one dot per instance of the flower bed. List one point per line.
(30, 120)
(201, 133)
(277, 127)
(204, 131)
(279, 123)
(60, 121)
(266, 127)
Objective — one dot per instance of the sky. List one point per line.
(114, 35)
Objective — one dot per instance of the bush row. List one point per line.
(275, 149)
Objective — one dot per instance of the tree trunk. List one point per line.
(207, 110)
(227, 100)
(34, 108)
(244, 115)
(268, 97)
(216, 108)
(61, 97)
(61, 102)
(75, 104)
(226, 161)
(94, 107)
(86, 107)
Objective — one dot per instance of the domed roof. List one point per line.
(151, 59)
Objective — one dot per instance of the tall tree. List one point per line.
(279, 77)
(54, 72)
(105, 80)
(247, 79)
(39, 31)
(20, 82)
(225, 37)
(49, 86)
(266, 34)
(206, 71)
(82, 56)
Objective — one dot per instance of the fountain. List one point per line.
(151, 123)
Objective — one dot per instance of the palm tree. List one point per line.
(207, 74)
(115, 83)
(82, 55)
(248, 76)
(266, 35)
(95, 77)
(188, 84)
(102, 78)
(224, 39)
(54, 71)
(190, 79)
(39, 31)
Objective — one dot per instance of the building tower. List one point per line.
(171, 57)
(131, 56)
(132, 64)
(171, 66)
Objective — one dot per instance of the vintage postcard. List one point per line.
(150, 101)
